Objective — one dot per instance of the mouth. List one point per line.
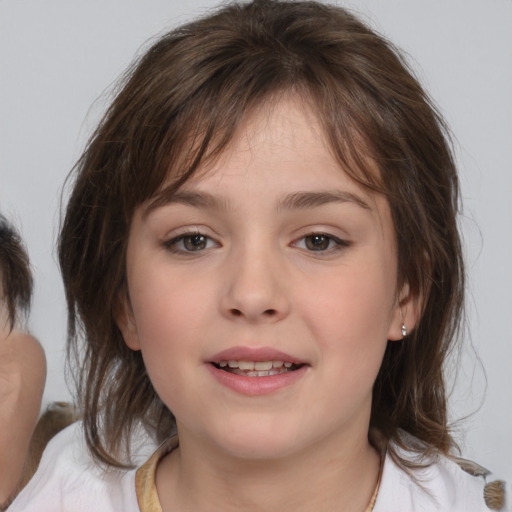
(257, 368)
(256, 371)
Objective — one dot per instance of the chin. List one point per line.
(259, 441)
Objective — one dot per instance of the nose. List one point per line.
(255, 287)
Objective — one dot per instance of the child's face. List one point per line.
(273, 254)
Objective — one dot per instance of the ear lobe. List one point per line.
(126, 323)
(406, 314)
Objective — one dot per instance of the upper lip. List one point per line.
(253, 354)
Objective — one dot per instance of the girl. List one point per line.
(264, 277)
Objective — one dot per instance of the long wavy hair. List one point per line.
(180, 105)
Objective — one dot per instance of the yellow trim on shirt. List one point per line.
(145, 485)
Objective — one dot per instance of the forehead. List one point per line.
(279, 157)
(284, 145)
(276, 137)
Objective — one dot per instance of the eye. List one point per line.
(320, 242)
(190, 242)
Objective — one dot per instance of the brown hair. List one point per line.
(15, 276)
(181, 104)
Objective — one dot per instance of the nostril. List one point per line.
(267, 312)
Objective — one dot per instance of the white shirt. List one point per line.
(442, 486)
(68, 480)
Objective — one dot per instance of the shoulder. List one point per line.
(68, 479)
(21, 350)
(442, 486)
(22, 362)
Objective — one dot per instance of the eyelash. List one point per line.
(171, 245)
(339, 244)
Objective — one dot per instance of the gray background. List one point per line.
(57, 57)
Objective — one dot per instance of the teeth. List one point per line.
(256, 366)
(262, 365)
(262, 373)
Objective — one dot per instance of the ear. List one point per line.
(406, 312)
(125, 320)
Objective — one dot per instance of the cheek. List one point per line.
(165, 318)
(168, 337)
(351, 332)
(351, 312)
(357, 301)
(163, 309)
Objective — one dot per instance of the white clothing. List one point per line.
(67, 480)
(442, 486)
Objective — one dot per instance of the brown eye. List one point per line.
(191, 242)
(195, 242)
(318, 242)
(321, 243)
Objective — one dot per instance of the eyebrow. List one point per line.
(294, 201)
(203, 200)
(306, 200)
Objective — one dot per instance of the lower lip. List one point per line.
(254, 386)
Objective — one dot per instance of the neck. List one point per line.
(195, 478)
